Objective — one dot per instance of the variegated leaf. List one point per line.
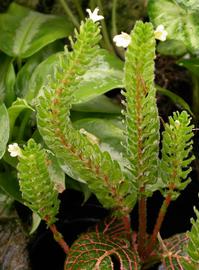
(180, 18)
(24, 32)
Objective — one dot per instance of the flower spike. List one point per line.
(94, 15)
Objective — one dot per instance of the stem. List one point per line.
(195, 98)
(119, 51)
(92, 4)
(23, 125)
(114, 25)
(127, 224)
(19, 63)
(175, 98)
(158, 224)
(69, 13)
(142, 211)
(59, 238)
(104, 30)
(79, 9)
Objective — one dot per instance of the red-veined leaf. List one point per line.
(104, 249)
(173, 252)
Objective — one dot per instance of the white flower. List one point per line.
(122, 40)
(92, 138)
(94, 15)
(14, 150)
(177, 123)
(160, 33)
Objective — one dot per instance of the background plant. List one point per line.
(21, 118)
(180, 19)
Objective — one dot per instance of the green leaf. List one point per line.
(78, 186)
(101, 104)
(103, 252)
(17, 107)
(10, 185)
(180, 19)
(24, 32)
(103, 74)
(7, 79)
(106, 248)
(175, 98)
(40, 76)
(191, 64)
(188, 4)
(36, 220)
(25, 73)
(5, 129)
(56, 174)
(171, 47)
(108, 130)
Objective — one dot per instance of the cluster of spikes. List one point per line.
(114, 188)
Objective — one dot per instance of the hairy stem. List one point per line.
(142, 211)
(59, 238)
(158, 224)
(69, 13)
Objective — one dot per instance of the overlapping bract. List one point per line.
(142, 121)
(73, 150)
(176, 153)
(36, 186)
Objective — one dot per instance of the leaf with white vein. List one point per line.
(105, 72)
(24, 32)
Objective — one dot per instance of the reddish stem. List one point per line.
(127, 224)
(158, 224)
(59, 238)
(142, 211)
